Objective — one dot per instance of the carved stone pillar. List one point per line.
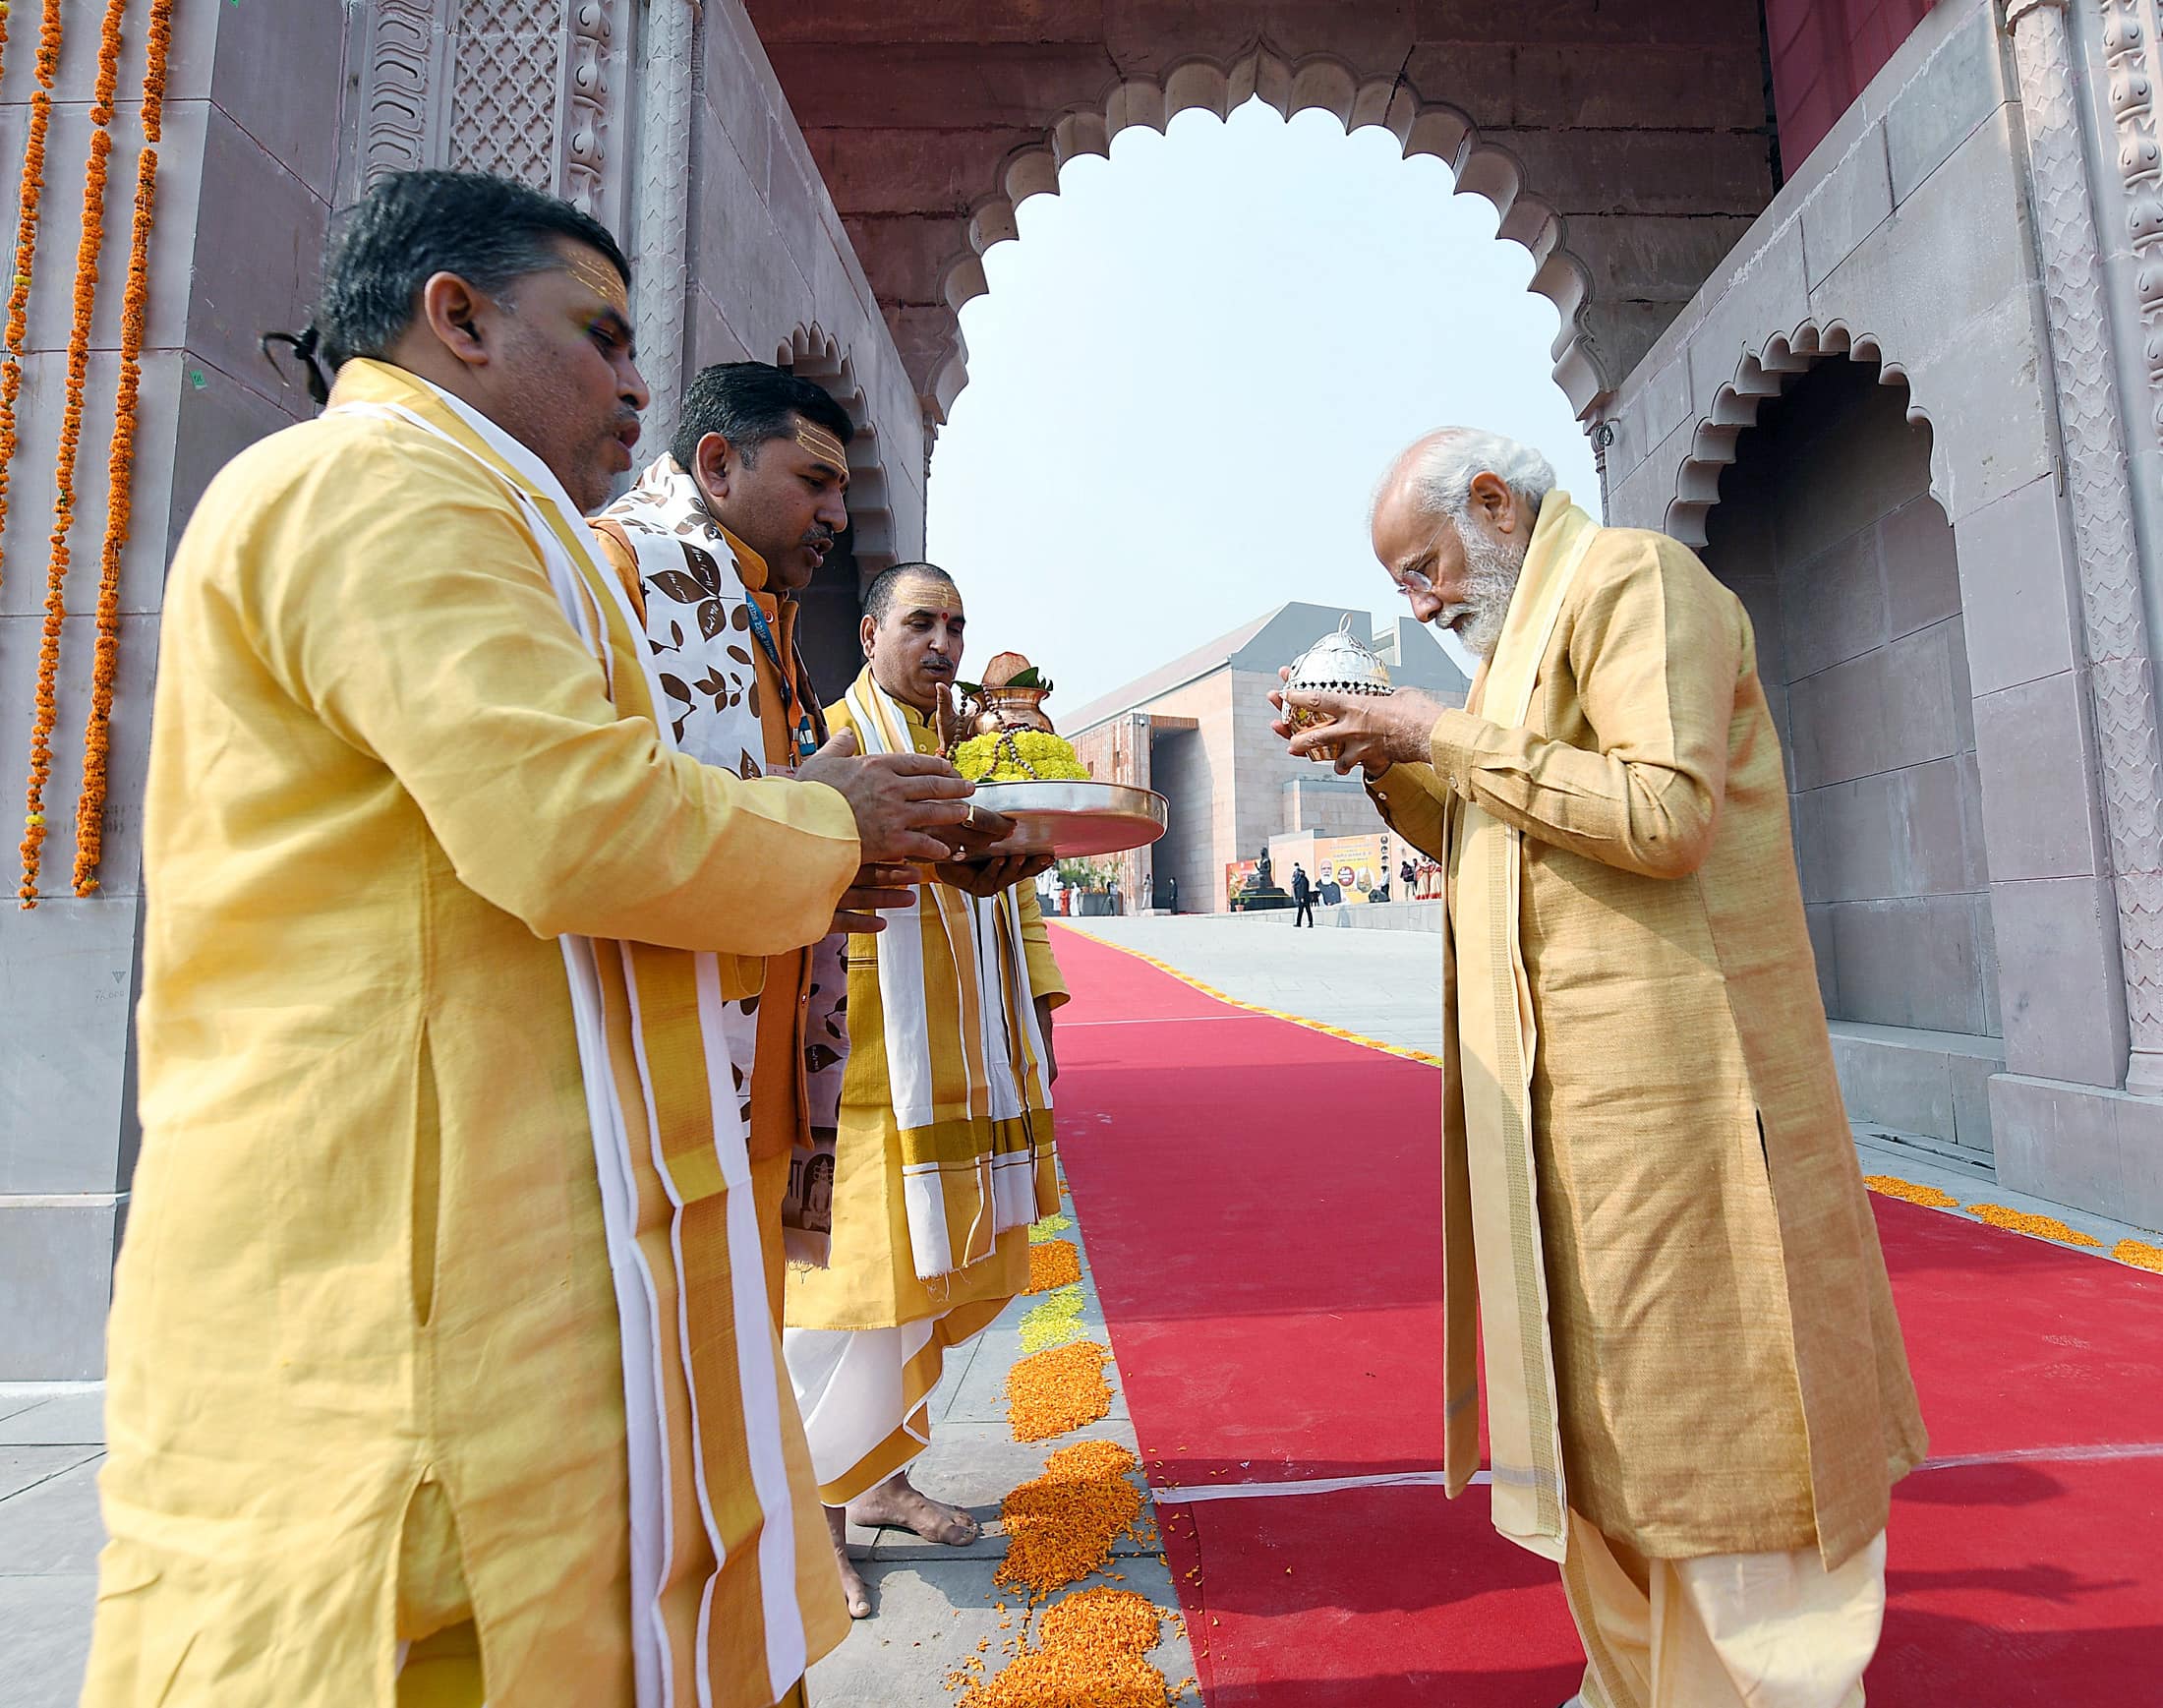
(661, 208)
(2121, 682)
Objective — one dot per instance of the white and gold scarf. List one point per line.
(699, 624)
(963, 1051)
(1498, 1043)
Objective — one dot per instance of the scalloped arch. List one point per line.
(1478, 166)
(1764, 373)
(816, 354)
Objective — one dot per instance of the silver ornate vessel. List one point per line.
(1336, 664)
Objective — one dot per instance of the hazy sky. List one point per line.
(1191, 370)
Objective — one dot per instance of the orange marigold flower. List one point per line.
(1051, 1392)
(1053, 1264)
(2020, 1221)
(1893, 1186)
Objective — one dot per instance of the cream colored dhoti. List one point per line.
(1727, 1631)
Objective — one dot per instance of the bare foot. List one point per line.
(899, 1503)
(853, 1588)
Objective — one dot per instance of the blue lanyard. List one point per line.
(806, 732)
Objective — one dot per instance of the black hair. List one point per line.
(409, 227)
(878, 598)
(750, 405)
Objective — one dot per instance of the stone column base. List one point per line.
(2089, 1146)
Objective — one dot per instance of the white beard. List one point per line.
(1492, 570)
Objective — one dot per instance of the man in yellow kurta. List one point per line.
(945, 1148)
(1697, 1395)
(440, 1363)
(714, 543)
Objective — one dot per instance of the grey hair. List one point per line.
(1439, 469)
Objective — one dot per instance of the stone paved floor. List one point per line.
(933, 1604)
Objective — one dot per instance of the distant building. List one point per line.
(1198, 731)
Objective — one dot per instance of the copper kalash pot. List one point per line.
(1002, 705)
(1336, 664)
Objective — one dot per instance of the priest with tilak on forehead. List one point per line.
(945, 1149)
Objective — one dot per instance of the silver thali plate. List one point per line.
(1074, 819)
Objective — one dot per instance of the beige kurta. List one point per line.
(365, 1256)
(1728, 1362)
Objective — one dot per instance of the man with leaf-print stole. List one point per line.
(1653, 1218)
(443, 1369)
(945, 1152)
(714, 543)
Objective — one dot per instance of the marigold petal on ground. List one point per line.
(1061, 1525)
(1053, 1264)
(1044, 1227)
(1054, 1320)
(2139, 1254)
(1893, 1186)
(2020, 1221)
(1092, 1651)
(1059, 1390)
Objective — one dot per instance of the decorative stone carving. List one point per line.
(524, 89)
(2121, 682)
(503, 106)
(2128, 30)
(587, 107)
(404, 39)
(661, 207)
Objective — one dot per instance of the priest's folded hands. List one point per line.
(1370, 730)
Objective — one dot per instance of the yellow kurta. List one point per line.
(366, 1250)
(1727, 1363)
(871, 1280)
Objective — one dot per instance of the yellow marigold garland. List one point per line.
(71, 423)
(89, 806)
(25, 240)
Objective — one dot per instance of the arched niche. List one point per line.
(1819, 513)
(831, 607)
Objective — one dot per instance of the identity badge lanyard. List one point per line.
(806, 732)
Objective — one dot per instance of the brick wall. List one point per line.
(1824, 53)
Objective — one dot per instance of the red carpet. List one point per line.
(1260, 1203)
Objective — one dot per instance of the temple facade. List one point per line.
(1863, 298)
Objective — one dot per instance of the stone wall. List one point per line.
(1907, 241)
(246, 176)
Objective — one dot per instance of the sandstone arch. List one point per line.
(1320, 81)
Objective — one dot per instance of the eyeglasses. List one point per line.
(1412, 584)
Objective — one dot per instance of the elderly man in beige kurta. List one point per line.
(1697, 1394)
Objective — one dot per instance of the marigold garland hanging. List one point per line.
(25, 242)
(89, 806)
(71, 424)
